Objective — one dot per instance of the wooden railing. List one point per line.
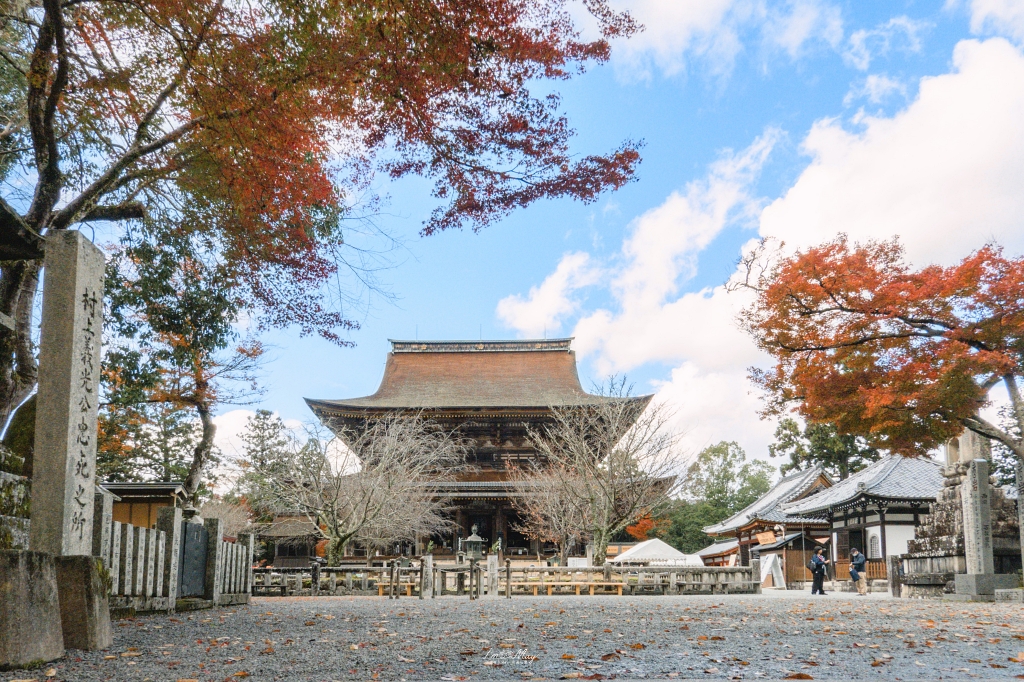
(425, 579)
(875, 569)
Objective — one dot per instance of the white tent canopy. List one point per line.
(655, 552)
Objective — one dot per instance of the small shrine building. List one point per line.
(494, 393)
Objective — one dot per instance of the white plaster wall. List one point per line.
(896, 538)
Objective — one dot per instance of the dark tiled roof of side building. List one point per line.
(892, 478)
(768, 506)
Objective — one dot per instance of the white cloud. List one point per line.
(548, 304)
(902, 33)
(806, 21)
(1001, 17)
(230, 427)
(945, 174)
(674, 30)
(876, 88)
(713, 32)
(659, 254)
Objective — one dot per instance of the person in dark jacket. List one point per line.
(819, 564)
(858, 571)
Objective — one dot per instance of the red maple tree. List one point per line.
(906, 356)
(261, 124)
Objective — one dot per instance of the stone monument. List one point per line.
(981, 581)
(970, 530)
(64, 462)
(63, 476)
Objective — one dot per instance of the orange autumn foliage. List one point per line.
(267, 122)
(904, 356)
(646, 528)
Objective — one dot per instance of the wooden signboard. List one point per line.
(765, 538)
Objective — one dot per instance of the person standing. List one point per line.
(818, 568)
(858, 571)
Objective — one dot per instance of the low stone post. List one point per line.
(30, 615)
(508, 578)
(428, 575)
(332, 583)
(168, 519)
(127, 556)
(248, 543)
(115, 558)
(214, 560)
(139, 561)
(755, 574)
(102, 524)
(492, 575)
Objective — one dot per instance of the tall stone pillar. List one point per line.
(69, 372)
(64, 462)
(975, 496)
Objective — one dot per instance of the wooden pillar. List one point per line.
(881, 538)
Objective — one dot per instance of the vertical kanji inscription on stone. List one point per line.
(64, 475)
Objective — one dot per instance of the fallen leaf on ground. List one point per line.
(610, 657)
(571, 676)
(242, 673)
(568, 657)
(798, 676)
(638, 645)
(711, 671)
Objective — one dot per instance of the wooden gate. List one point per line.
(192, 567)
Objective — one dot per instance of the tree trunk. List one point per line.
(200, 456)
(600, 543)
(1020, 506)
(335, 550)
(18, 369)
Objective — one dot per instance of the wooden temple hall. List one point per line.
(493, 392)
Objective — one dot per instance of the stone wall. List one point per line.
(14, 502)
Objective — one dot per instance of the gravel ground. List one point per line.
(605, 637)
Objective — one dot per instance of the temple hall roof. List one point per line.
(768, 507)
(474, 374)
(893, 478)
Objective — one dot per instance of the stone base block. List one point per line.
(969, 597)
(984, 583)
(84, 607)
(30, 632)
(1016, 595)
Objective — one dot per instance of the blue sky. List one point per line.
(797, 120)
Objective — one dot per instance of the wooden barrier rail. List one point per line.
(424, 579)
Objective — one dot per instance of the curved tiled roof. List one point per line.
(475, 374)
(893, 478)
(768, 506)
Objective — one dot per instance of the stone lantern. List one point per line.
(474, 546)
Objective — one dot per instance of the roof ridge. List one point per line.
(885, 470)
(481, 345)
